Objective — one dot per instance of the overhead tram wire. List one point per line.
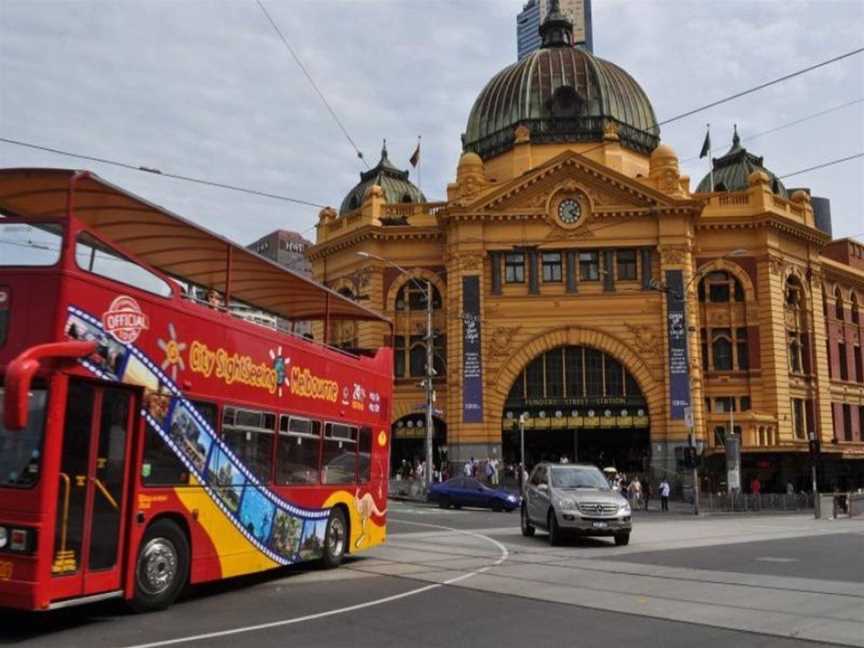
(312, 83)
(742, 93)
(152, 171)
(789, 124)
(320, 206)
(761, 86)
(823, 165)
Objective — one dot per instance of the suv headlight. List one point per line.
(624, 508)
(567, 504)
(4, 537)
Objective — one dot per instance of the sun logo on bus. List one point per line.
(173, 352)
(280, 366)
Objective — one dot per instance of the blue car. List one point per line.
(464, 491)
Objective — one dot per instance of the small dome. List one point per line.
(732, 171)
(393, 182)
(664, 152)
(561, 93)
(470, 160)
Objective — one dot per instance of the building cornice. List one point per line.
(375, 233)
(830, 267)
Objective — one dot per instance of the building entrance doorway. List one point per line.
(581, 404)
(409, 443)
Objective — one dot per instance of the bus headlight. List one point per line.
(4, 537)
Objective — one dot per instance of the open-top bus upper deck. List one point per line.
(101, 330)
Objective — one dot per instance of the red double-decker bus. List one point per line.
(161, 425)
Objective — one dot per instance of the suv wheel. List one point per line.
(443, 502)
(527, 529)
(622, 539)
(554, 530)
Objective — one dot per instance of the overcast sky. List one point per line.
(205, 88)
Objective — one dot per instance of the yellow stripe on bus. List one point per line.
(237, 555)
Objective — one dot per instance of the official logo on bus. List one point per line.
(124, 319)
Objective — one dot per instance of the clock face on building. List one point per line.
(569, 211)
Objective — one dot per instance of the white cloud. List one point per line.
(205, 88)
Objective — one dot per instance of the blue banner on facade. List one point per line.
(472, 367)
(676, 328)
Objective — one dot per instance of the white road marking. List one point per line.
(776, 559)
(351, 608)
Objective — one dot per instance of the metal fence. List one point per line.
(730, 502)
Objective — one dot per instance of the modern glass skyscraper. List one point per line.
(532, 14)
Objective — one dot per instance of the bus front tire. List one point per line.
(162, 567)
(335, 539)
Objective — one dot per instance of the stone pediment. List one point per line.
(609, 192)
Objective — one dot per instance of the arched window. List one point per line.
(412, 296)
(406, 198)
(721, 349)
(853, 309)
(720, 287)
(838, 304)
(353, 204)
(793, 292)
(798, 338)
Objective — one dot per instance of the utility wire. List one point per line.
(789, 124)
(761, 86)
(132, 167)
(312, 204)
(312, 82)
(823, 165)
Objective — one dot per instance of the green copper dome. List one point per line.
(731, 172)
(560, 93)
(395, 183)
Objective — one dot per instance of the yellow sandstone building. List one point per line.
(580, 281)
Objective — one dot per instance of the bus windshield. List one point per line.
(21, 450)
(30, 245)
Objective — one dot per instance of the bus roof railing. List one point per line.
(171, 244)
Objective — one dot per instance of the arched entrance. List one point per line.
(409, 441)
(581, 403)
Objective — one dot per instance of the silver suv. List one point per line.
(574, 498)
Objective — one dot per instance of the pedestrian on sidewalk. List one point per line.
(634, 492)
(664, 495)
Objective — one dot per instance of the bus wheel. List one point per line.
(162, 566)
(335, 539)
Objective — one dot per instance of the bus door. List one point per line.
(92, 499)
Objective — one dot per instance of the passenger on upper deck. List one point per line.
(214, 299)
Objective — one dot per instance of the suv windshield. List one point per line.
(578, 477)
(21, 450)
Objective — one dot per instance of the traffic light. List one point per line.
(691, 459)
(815, 448)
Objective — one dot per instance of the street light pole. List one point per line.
(430, 354)
(522, 418)
(430, 392)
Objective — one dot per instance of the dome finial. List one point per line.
(736, 141)
(556, 30)
(384, 149)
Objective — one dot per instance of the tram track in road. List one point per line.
(558, 561)
(189, 639)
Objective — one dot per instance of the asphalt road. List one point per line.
(468, 578)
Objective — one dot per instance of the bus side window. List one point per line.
(339, 459)
(249, 434)
(364, 457)
(297, 451)
(161, 467)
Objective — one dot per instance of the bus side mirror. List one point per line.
(19, 376)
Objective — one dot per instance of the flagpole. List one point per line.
(419, 166)
(710, 160)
